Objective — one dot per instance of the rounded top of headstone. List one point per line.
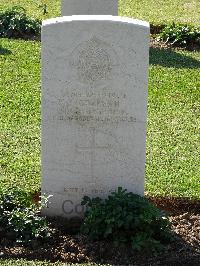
(65, 19)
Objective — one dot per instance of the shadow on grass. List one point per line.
(170, 58)
(4, 51)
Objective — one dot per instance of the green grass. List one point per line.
(173, 147)
(162, 11)
(155, 11)
(20, 114)
(34, 7)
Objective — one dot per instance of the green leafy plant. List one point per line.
(180, 34)
(20, 220)
(15, 23)
(126, 218)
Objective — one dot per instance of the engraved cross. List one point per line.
(92, 150)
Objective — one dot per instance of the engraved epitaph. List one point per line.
(94, 93)
(89, 7)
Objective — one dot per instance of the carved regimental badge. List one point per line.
(93, 62)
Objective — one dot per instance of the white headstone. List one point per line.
(94, 108)
(89, 7)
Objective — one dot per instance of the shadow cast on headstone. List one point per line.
(4, 51)
(171, 58)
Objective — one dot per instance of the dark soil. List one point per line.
(76, 248)
(155, 43)
(156, 29)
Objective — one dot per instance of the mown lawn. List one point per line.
(155, 11)
(173, 146)
(20, 114)
(162, 11)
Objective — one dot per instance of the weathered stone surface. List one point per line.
(94, 108)
(89, 7)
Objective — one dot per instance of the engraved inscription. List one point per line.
(96, 113)
(94, 109)
(84, 190)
